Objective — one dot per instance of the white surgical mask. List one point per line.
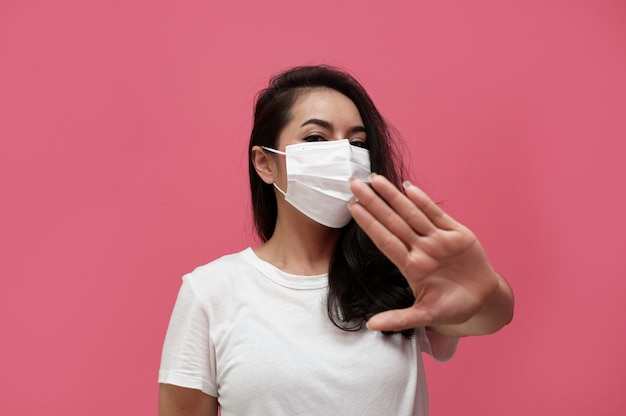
(318, 175)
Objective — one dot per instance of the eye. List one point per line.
(359, 143)
(314, 138)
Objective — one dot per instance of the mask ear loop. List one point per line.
(269, 149)
(279, 190)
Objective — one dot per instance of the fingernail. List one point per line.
(371, 176)
(406, 184)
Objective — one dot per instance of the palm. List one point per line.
(442, 260)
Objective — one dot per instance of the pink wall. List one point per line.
(123, 129)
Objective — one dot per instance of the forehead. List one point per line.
(325, 103)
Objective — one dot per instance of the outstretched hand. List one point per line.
(454, 285)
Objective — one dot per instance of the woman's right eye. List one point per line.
(314, 138)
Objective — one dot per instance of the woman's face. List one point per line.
(318, 115)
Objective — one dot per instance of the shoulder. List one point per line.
(223, 264)
(218, 288)
(219, 274)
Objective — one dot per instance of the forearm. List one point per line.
(496, 313)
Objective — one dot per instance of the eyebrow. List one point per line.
(325, 124)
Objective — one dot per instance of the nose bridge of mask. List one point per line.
(328, 161)
(334, 159)
(325, 165)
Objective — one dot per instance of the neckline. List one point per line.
(291, 281)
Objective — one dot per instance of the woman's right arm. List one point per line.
(182, 401)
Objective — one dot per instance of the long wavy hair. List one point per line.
(362, 281)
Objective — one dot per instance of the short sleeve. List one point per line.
(188, 357)
(440, 347)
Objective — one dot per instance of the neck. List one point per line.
(300, 246)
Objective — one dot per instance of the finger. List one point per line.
(428, 207)
(410, 212)
(386, 241)
(400, 319)
(382, 212)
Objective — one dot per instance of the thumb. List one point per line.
(399, 319)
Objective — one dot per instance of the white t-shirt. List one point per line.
(260, 341)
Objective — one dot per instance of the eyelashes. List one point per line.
(314, 138)
(357, 142)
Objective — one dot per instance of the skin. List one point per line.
(181, 401)
(457, 291)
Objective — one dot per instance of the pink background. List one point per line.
(123, 129)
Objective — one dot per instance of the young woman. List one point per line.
(354, 280)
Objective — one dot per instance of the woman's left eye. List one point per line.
(359, 143)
